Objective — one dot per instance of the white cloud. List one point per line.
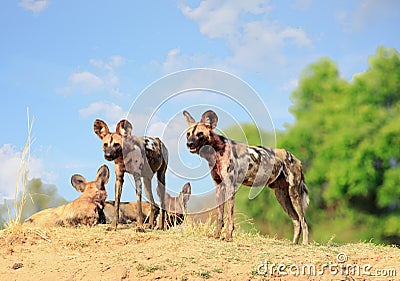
(34, 6)
(255, 42)
(102, 78)
(368, 13)
(108, 110)
(86, 81)
(218, 19)
(10, 159)
(114, 62)
(175, 61)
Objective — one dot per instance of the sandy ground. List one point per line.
(182, 254)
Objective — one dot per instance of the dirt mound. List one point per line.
(185, 253)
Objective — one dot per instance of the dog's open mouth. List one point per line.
(192, 149)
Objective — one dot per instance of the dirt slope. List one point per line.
(184, 254)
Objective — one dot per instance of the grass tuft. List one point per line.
(13, 225)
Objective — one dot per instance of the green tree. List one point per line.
(40, 196)
(348, 137)
(347, 134)
(3, 214)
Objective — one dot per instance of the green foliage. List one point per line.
(39, 196)
(3, 214)
(250, 134)
(347, 134)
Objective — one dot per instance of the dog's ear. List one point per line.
(186, 192)
(124, 128)
(103, 173)
(101, 128)
(209, 118)
(189, 119)
(78, 182)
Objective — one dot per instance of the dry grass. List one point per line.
(13, 226)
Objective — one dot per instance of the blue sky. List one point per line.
(71, 62)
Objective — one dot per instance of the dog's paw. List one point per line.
(140, 229)
(215, 235)
(111, 228)
(228, 239)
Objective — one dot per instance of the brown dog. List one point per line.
(82, 211)
(176, 208)
(233, 163)
(141, 157)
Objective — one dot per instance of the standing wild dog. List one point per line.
(141, 157)
(176, 208)
(84, 210)
(233, 163)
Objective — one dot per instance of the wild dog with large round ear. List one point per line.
(140, 156)
(233, 163)
(85, 210)
(176, 209)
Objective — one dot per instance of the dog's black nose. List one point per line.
(190, 144)
(108, 156)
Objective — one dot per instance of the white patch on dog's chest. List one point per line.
(149, 144)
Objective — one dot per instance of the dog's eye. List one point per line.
(200, 134)
(187, 134)
(105, 145)
(116, 145)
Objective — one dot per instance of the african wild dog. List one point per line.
(140, 156)
(84, 210)
(233, 163)
(176, 207)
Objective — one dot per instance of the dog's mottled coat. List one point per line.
(233, 163)
(140, 156)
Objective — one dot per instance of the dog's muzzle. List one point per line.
(111, 154)
(192, 147)
(108, 156)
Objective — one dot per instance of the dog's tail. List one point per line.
(296, 168)
(305, 199)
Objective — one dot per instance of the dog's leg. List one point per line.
(298, 192)
(149, 195)
(230, 195)
(118, 190)
(161, 194)
(139, 212)
(220, 190)
(297, 203)
(282, 195)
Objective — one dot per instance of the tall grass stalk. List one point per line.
(14, 218)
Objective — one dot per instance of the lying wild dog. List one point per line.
(176, 208)
(233, 163)
(82, 211)
(140, 156)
